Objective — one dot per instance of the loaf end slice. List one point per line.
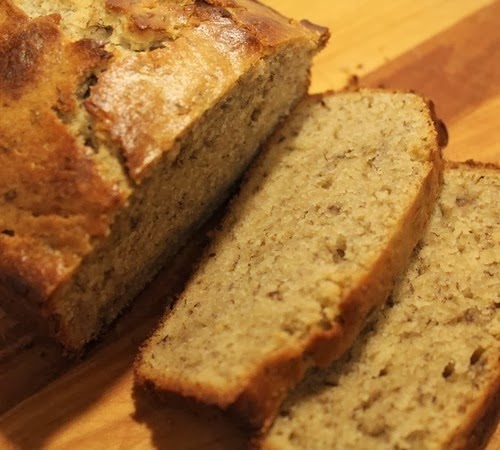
(426, 373)
(325, 221)
(122, 126)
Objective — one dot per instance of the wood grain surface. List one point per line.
(447, 50)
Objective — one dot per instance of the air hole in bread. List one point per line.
(341, 252)
(340, 248)
(331, 382)
(61, 114)
(449, 370)
(275, 295)
(383, 372)
(90, 142)
(256, 114)
(334, 209)
(293, 437)
(101, 33)
(86, 86)
(326, 184)
(476, 355)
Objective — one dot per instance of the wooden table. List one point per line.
(449, 50)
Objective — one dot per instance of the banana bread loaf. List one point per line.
(324, 222)
(122, 125)
(426, 372)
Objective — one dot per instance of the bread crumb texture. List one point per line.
(425, 368)
(123, 124)
(309, 226)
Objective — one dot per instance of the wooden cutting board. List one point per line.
(448, 50)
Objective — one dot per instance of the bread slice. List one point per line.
(426, 371)
(324, 222)
(122, 126)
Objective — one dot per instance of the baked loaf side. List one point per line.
(122, 126)
(426, 371)
(324, 222)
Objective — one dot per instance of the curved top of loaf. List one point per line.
(87, 112)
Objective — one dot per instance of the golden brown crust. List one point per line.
(53, 198)
(57, 201)
(269, 27)
(153, 89)
(175, 84)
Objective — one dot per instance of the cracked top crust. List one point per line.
(54, 197)
(152, 88)
(214, 49)
(92, 94)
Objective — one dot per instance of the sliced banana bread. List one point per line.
(324, 222)
(123, 124)
(426, 371)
